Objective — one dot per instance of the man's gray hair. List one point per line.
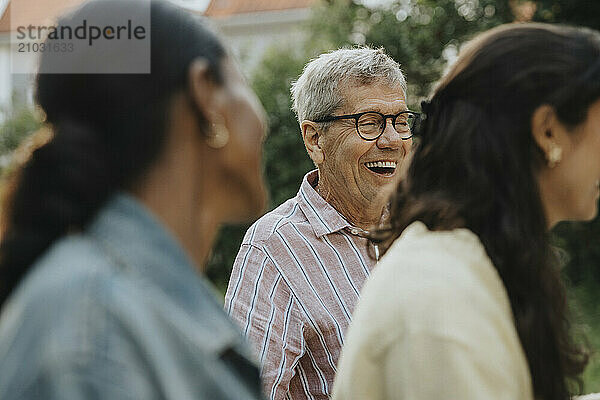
(316, 93)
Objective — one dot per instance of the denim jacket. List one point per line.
(118, 312)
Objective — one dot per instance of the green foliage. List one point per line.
(20, 123)
(572, 12)
(420, 34)
(580, 240)
(286, 160)
(583, 302)
(218, 268)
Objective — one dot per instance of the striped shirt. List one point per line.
(294, 285)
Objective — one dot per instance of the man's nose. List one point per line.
(390, 138)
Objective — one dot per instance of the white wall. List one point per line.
(250, 35)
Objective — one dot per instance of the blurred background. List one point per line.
(273, 39)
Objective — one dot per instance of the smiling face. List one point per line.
(570, 190)
(355, 175)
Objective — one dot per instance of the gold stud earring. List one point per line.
(554, 155)
(219, 135)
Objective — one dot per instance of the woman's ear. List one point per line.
(542, 124)
(312, 136)
(548, 132)
(201, 88)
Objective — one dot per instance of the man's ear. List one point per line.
(312, 136)
(546, 129)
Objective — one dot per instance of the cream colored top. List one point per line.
(433, 322)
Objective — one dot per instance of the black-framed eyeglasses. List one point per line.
(370, 125)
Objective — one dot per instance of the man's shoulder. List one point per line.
(275, 221)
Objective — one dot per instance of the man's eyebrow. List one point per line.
(402, 108)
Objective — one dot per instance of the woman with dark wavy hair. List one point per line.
(467, 302)
(108, 223)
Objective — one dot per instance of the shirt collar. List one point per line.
(323, 218)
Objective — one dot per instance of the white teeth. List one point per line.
(381, 164)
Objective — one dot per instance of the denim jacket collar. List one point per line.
(158, 258)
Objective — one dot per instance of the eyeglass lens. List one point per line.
(371, 125)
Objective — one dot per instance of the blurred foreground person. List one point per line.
(300, 268)
(107, 225)
(467, 302)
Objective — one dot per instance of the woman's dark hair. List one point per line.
(476, 164)
(107, 129)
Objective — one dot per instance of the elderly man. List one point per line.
(299, 271)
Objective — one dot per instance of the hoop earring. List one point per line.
(554, 155)
(219, 137)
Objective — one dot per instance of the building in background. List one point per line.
(248, 26)
(252, 26)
